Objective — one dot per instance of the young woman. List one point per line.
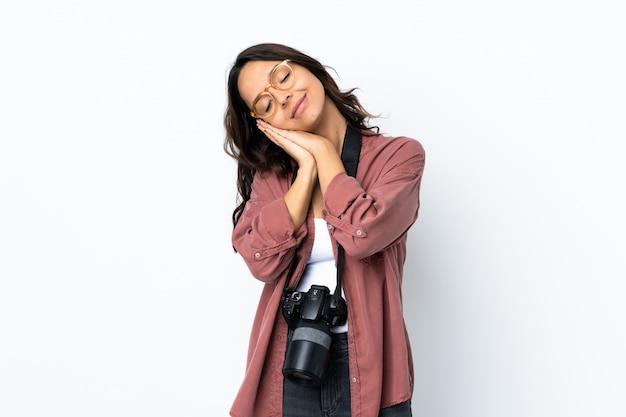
(289, 127)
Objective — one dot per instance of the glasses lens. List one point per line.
(264, 105)
(282, 77)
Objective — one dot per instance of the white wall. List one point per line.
(119, 291)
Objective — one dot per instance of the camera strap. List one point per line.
(350, 157)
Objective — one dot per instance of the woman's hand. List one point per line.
(307, 148)
(297, 144)
(298, 197)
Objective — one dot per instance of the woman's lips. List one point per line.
(297, 108)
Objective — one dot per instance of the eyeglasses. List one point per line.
(282, 77)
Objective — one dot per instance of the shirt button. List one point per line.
(359, 232)
(257, 255)
(353, 379)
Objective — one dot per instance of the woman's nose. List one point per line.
(282, 96)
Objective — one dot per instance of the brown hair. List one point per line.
(244, 142)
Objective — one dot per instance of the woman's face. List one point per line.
(295, 103)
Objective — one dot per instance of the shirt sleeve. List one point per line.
(265, 236)
(372, 211)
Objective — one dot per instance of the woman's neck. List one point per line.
(333, 125)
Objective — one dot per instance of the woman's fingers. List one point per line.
(285, 140)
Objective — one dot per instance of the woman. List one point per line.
(287, 124)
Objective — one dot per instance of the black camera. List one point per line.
(310, 316)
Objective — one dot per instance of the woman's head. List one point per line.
(284, 92)
(293, 72)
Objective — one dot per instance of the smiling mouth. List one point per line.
(297, 106)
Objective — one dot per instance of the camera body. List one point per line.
(310, 316)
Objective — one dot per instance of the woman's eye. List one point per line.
(285, 80)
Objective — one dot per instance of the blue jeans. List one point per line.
(332, 397)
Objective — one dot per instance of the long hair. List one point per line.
(244, 142)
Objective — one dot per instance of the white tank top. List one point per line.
(320, 269)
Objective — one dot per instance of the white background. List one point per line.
(120, 294)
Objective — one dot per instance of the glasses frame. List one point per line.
(266, 91)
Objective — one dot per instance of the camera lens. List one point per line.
(308, 353)
(302, 379)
